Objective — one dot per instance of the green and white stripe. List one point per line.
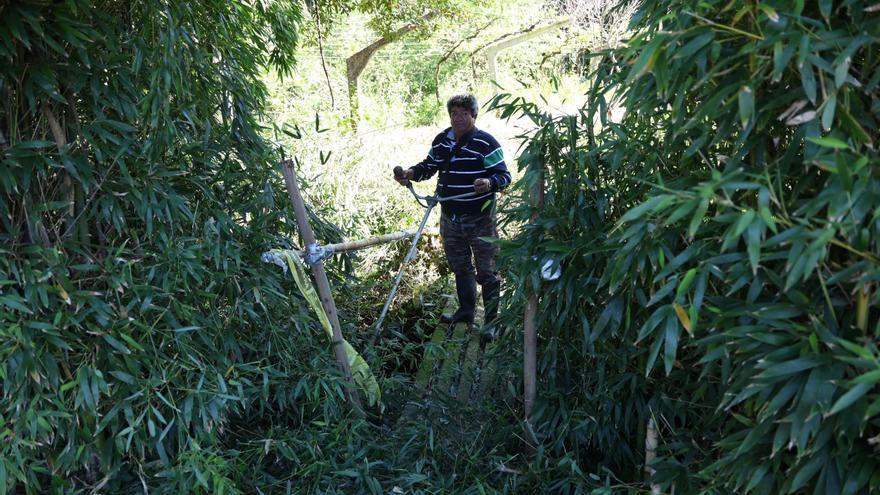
(493, 158)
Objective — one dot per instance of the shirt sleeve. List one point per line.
(426, 168)
(493, 161)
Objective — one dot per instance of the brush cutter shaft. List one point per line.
(406, 260)
(431, 202)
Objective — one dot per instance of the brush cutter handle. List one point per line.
(400, 175)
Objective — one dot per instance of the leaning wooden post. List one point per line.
(302, 219)
(530, 333)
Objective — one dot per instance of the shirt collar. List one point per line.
(464, 139)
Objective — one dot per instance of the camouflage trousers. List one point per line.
(464, 248)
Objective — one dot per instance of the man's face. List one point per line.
(462, 121)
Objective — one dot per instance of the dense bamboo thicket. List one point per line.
(713, 208)
(719, 250)
(136, 193)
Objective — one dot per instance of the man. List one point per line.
(468, 160)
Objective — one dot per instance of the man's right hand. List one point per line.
(404, 177)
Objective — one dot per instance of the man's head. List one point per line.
(462, 113)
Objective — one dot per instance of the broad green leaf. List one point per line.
(782, 53)
(670, 343)
(850, 397)
(753, 245)
(119, 346)
(694, 45)
(825, 7)
(697, 219)
(808, 81)
(828, 111)
(653, 204)
(646, 60)
(685, 283)
(829, 142)
(841, 72)
(869, 378)
(681, 211)
(16, 303)
(652, 356)
(743, 223)
(789, 368)
(807, 471)
(746, 98)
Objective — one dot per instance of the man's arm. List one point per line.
(430, 165)
(494, 163)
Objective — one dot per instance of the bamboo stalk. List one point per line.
(651, 452)
(862, 308)
(343, 247)
(326, 296)
(61, 141)
(530, 338)
(530, 333)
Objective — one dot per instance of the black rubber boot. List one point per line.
(491, 291)
(466, 287)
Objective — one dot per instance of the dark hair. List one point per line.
(466, 101)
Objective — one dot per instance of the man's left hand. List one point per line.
(482, 185)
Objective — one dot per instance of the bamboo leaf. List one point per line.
(653, 204)
(841, 71)
(808, 81)
(825, 7)
(746, 99)
(850, 397)
(645, 61)
(670, 344)
(686, 282)
(683, 317)
(869, 378)
(828, 111)
(769, 11)
(697, 219)
(829, 142)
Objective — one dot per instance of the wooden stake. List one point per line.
(530, 333)
(308, 236)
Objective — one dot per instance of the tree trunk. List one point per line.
(356, 63)
(449, 53)
(527, 35)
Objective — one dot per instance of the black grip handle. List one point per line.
(398, 171)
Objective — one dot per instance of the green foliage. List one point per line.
(137, 325)
(719, 251)
(144, 346)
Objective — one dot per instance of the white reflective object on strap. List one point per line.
(551, 270)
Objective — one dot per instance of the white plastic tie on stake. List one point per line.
(551, 270)
(316, 252)
(275, 258)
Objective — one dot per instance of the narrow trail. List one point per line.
(457, 370)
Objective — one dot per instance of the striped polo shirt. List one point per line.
(459, 163)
